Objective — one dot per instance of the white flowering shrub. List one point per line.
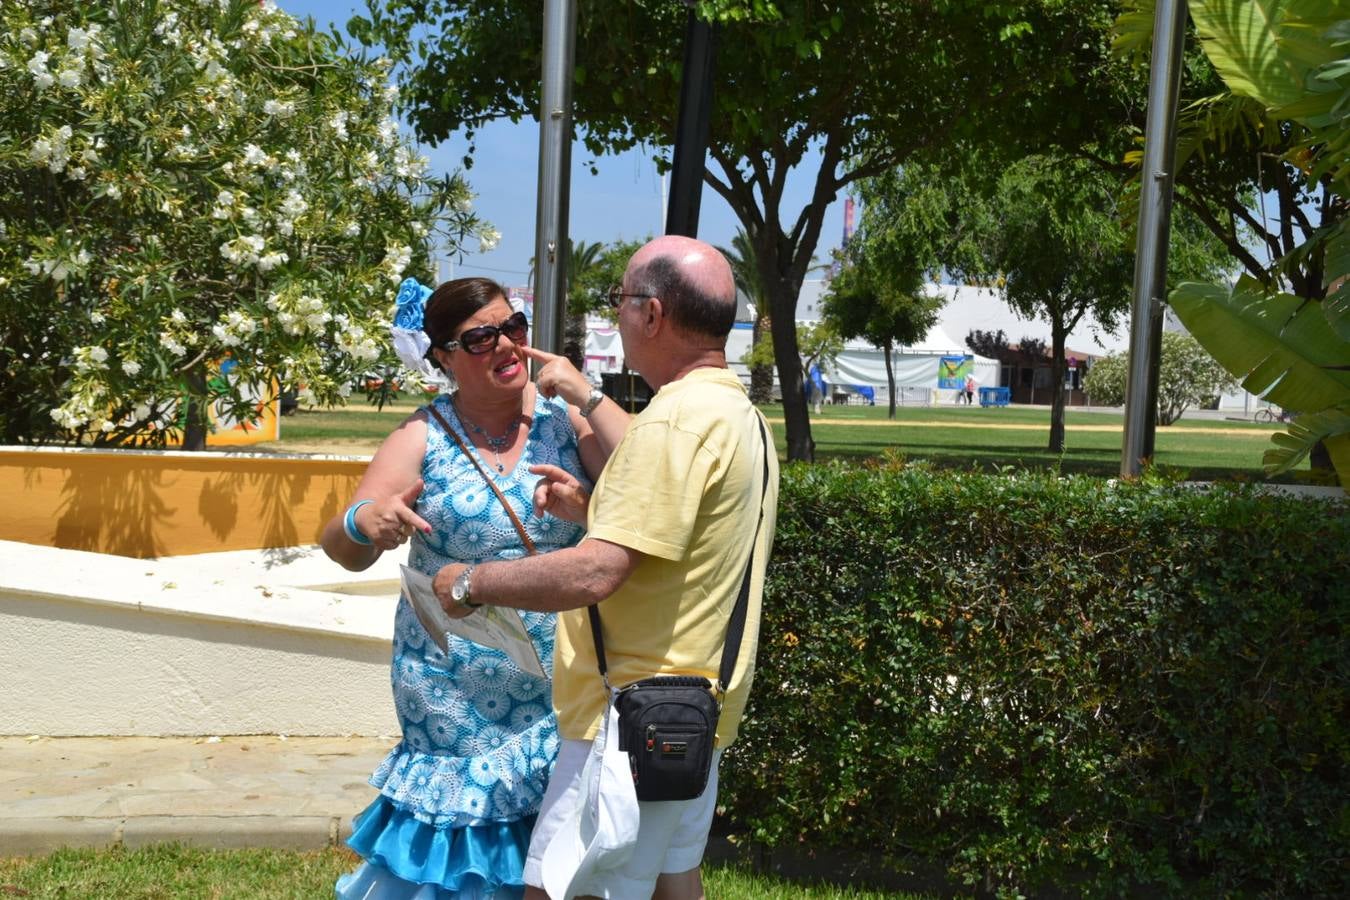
(1187, 376)
(186, 182)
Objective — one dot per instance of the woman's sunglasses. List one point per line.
(484, 338)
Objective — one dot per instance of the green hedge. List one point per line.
(1034, 681)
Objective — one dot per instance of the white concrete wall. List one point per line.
(219, 643)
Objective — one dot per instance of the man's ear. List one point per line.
(654, 317)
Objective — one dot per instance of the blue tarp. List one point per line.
(817, 382)
(815, 379)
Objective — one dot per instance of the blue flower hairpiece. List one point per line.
(411, 303)
(411, 343)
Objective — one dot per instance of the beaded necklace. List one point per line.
(496, 444)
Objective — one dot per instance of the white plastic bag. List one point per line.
(603, 829)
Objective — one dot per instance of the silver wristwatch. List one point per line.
(595, 399)
(459, 591)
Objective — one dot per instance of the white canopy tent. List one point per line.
(915, 368)
(859, 365)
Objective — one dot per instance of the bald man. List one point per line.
(669, 531)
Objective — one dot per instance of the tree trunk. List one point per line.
(1058, 366)
(761, 377)
(783, 258)
(800, 446)
(574, 340)
(1319, 460)
(890, 380)
(195, 421)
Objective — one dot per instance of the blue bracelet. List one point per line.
(349, 524)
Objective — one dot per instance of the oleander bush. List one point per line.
(1039, 682)
(200, 202)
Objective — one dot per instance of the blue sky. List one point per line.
(622, 202)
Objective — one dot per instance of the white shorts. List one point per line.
(671, 834)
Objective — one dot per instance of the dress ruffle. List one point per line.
(407, 859)
(449, 791)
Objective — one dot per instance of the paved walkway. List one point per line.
(264, 791)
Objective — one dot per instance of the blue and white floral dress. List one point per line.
(459, 794)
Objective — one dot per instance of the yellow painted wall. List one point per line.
(146, 504)
(229, 433)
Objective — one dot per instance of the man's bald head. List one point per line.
(691, 279)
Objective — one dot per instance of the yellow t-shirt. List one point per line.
(683, 489)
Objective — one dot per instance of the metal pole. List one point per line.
(1155, 330)
(691, 133)
(1155, 207)
(551, 245)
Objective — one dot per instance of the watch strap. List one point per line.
(467, 600)
(595, 399)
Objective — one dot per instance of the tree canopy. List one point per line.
(1046, 230)
(1243, 166)
(991, 344)
(870, 299)
(860, 86)
(1277, 122)
(190, 189)
(589, 292)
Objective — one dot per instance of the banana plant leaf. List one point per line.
(1283, 349)
(1331, 426)
(1266, 48)
(1132, 34)
(1279, 345)
(1336, 266)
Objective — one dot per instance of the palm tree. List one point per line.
(581, 257)
(745, 270)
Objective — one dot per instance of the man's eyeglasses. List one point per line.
(616, 295)
(484, 338)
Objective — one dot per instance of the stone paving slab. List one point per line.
(239, 791)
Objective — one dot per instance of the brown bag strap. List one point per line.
(515, 520)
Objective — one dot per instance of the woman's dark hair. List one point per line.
(453, 302)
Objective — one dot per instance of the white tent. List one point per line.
(604, 350)
(915, 368)
(859, 365)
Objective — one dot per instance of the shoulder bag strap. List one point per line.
(731, 647)
(515, 520)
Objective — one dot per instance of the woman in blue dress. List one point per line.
(459, 793)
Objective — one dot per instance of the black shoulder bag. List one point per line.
(668, 723)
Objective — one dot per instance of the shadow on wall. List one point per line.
(117, 510)
(145, 504)
(279, 497)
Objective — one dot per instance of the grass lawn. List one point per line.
(948, 436)
(1011, 436)
(170, 871)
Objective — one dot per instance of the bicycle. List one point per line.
(1268, 416)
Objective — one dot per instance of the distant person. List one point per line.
(460, 791)
(970, 389)
(815, 389)
(670, 535)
